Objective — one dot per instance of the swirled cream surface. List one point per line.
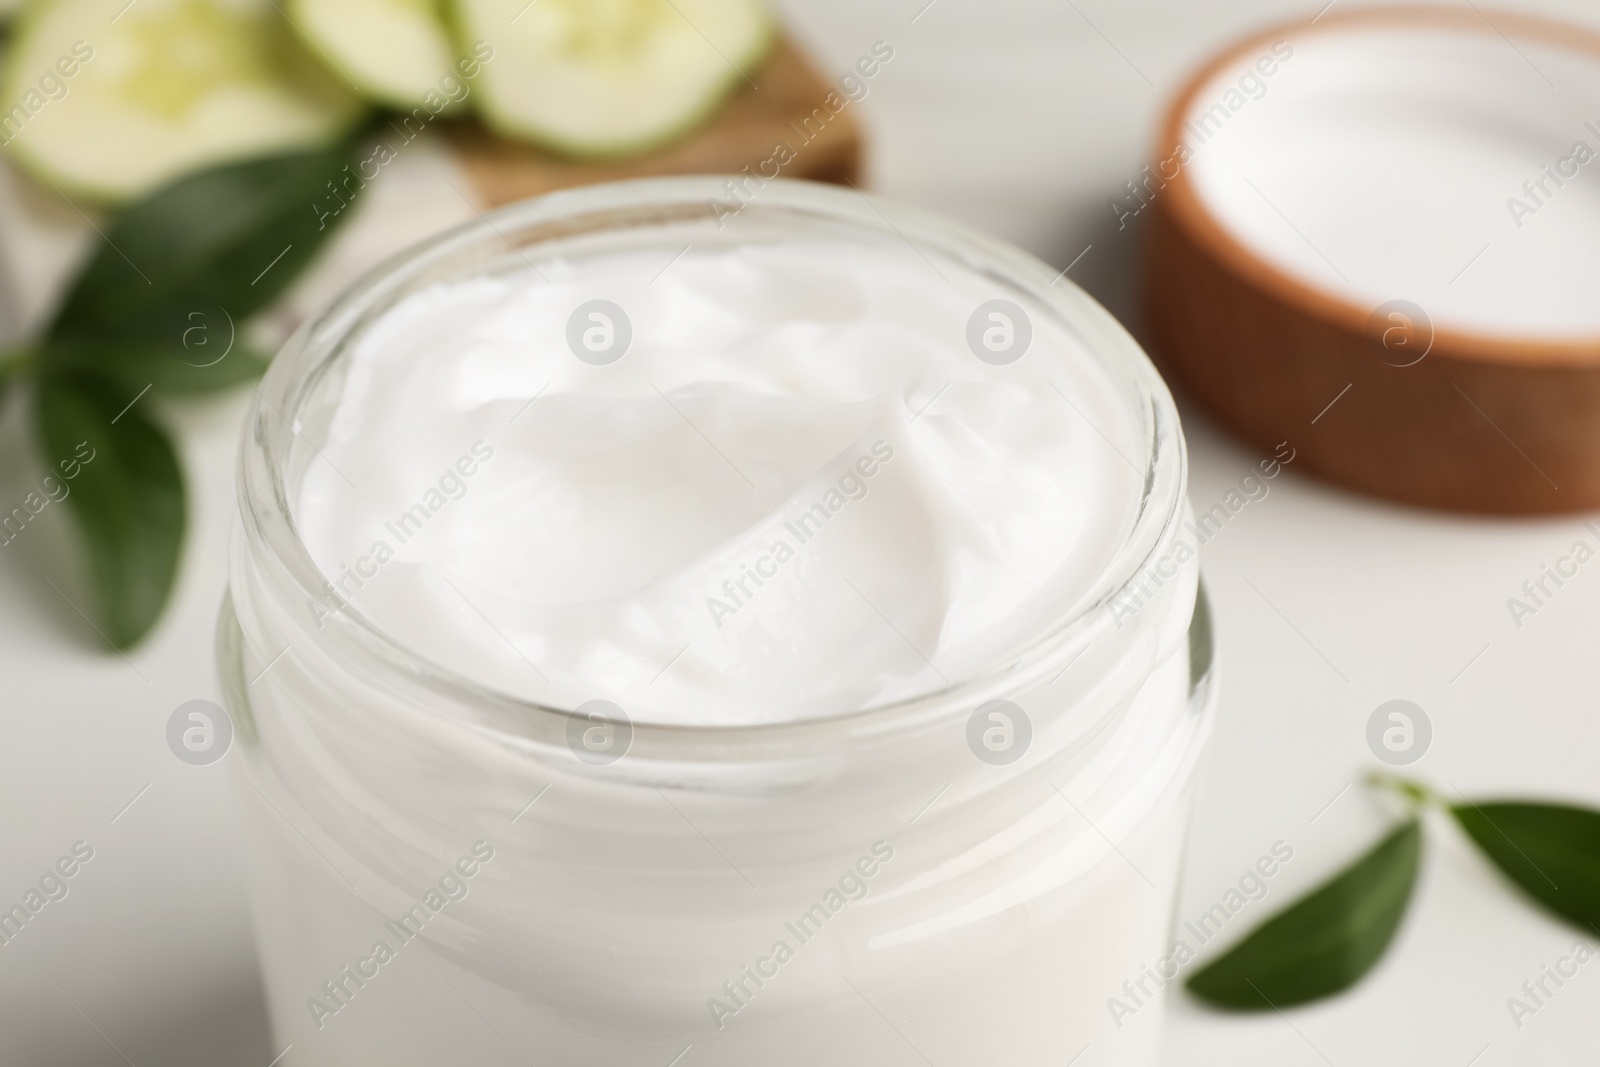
(797, 492)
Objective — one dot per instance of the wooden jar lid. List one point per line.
(1344, 255)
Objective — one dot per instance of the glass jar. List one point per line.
(967, 877)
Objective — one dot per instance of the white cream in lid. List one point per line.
(1441, 163)
(798, 493)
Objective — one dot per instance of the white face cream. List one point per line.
(1436, 163)
(797, 492)
(742, 633)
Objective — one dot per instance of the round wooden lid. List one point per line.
(1377, 236)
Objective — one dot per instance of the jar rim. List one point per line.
(272, 423)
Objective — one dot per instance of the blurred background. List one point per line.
(1023, 118)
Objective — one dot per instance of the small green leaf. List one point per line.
(220, 243)
(1551, 851)
(124, 490)
(167, 369)
(1324, 942)
(14, 364)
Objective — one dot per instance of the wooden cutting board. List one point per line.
(785, 106)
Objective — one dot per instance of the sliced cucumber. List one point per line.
(110, 99)
(395, 51)
(608, 78)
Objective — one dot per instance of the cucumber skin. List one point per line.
(106, 197)
(372, 93)
(578, 152)
(103, 196)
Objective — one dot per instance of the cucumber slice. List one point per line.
(395, 51)
(609, 78)
(111, 99)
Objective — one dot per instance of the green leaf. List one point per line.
(204, 366)
(1324, 942)
(220, 243)
(124, 491)
(1551, 851)
(14, 364)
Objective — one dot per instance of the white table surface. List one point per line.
(1022, 117)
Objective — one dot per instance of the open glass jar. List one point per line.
(548, 853)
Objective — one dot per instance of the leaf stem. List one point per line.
(1417, 795)
(17, 363)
